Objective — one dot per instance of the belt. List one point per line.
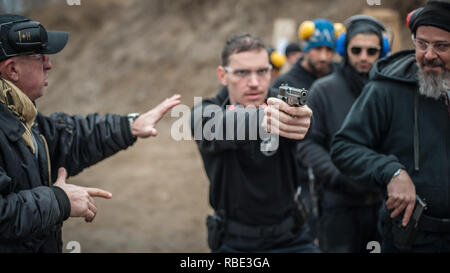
(432, 224)
(236, 228)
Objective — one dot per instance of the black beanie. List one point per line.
(434, 13)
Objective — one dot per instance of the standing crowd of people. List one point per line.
(378, 139)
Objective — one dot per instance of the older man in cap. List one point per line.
(397, 135)
(38, 152)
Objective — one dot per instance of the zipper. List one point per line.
(48, 160)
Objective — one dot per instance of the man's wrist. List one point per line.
(63, 202)
(131, 118)
(397, 173)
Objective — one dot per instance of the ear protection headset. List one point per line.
(338, 29)
(412, 16)
(276, 59)
(306, 29)
(23, 37)
(340, 43)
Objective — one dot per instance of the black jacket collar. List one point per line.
(10, 124)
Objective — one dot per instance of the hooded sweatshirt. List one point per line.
(391, 126)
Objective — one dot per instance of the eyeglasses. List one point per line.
(371, 51)
(41, 57)
(246, 73)
(438, 47)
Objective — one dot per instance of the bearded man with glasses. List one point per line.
(348, 211)
(397, 136)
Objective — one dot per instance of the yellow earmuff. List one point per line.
(338, 29)
(306, 30)
(277, 59)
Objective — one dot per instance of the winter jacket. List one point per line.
(391, 126)
(330, 99)
(252, 187)
(31, 209)
(299, 77)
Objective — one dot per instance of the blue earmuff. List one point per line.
(340, 46)
(340, 42)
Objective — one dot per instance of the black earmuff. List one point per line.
(23, 37)
(28, 36)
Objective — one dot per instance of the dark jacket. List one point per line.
(298, 77)
(330, 99)
(31, 209)
(379, 136)
(251, 187)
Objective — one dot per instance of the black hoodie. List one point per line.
(249, 186)
(330, 99)
(391, 126)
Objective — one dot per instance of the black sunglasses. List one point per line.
(371, 51)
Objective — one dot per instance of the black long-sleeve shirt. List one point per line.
(330, 99)
(251, 187)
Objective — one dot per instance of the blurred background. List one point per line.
(128, 55)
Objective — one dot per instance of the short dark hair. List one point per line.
(292, 48)
(240, 43)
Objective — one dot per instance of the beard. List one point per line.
(431, 84)
(317, 71)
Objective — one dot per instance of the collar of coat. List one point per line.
(20, 106)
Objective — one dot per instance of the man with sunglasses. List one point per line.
(252, 189)
(348, 211)
(397, 136)
(38, 152)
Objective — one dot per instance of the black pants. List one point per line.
(433, 243)
(425, 242)
(348, 230)
(313, 220)
(290, 242)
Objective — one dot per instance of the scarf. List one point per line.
(355, 80)
(21, 106)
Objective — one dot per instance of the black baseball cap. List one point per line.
(20, 35)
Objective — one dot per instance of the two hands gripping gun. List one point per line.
(404, 237)
(292, 96)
